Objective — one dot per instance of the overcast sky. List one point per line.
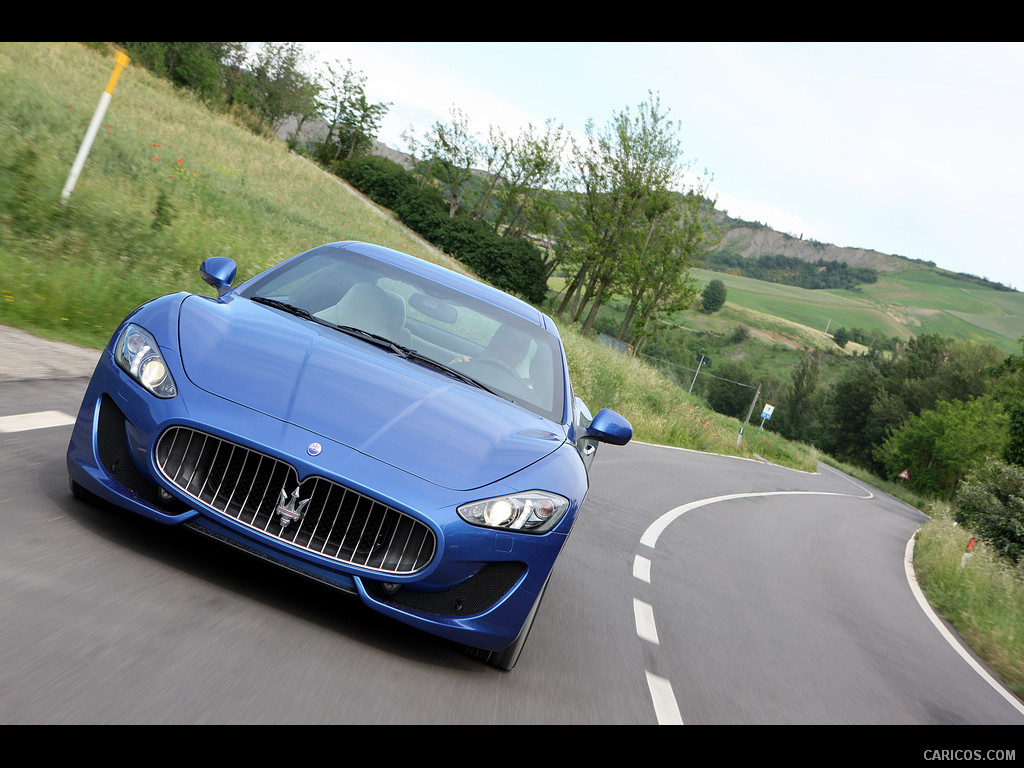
(906, 148)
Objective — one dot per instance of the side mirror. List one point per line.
(610, 427)
(219, 272)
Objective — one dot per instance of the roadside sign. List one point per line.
(768, 411)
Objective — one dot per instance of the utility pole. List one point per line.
(739, 437)
(701, 360)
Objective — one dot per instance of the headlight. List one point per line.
(531, 512)
(137, 353)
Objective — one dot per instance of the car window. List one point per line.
(513, 357)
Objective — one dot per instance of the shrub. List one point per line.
(510, 264)
(382, 180)
(423, 210)
(990, 502)
(713, 297)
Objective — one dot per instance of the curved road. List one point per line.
(695, 589)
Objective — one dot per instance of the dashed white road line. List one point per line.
(665, 707)
(642, 568)
(643, 614)
(24, 422)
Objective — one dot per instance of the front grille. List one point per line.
(263, 493)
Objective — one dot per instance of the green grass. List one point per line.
(982, 597)
(901, 304)
(72, 271)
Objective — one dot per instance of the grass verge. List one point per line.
(980, 595)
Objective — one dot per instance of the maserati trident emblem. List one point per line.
(290, 508)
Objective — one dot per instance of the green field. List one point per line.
(901, 304)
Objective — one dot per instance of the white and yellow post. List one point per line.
(121, 61)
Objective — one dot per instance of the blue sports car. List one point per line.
(360, 416)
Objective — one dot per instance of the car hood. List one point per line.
(346, 390)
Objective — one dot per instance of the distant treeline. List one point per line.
(792, 271)
(984, 281)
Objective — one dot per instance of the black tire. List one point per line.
(79, 492)
(91, 498)
(506, 659)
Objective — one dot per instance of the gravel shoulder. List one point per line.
(24, 357)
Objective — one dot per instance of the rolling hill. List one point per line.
(910, 297)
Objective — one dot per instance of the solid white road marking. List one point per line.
(655, 529)
(908, 565)
(23, 422)
(665, 707)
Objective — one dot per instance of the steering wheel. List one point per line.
(514, 384)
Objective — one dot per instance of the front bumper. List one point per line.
(477, 588)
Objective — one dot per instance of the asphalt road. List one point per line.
(685, 595)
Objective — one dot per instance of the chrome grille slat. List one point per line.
(338, 522)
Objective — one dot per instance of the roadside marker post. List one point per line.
(121, 61)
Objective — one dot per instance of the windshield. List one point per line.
(507, 354)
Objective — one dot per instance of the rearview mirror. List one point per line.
(433, 308)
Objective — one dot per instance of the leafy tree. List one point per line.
(614, 230)
(799, 403)
(516, 172)
(938, 447)
(790, 270)
(352, 120)
(713, 296)
(848, 416)
(446, 157)
(726, 392)
(275, 87)
(202, 67)
(657, 268)
(841, 337)
(1009, 386)
(383, 180)
(990, 502)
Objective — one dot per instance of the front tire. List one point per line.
(506, 659)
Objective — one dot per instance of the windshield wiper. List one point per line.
(374, 338)
(283, 306)
(406, 352)
(447, 369)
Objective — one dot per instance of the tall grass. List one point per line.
(663, 413)
(982, 596)
(167, 184)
